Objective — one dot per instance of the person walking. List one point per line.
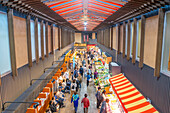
(88, 79)
(75, 99)
(105, 108)
(73, 87)
(104, 95)
(98, 97)
(80, 80)
(86, 103)
(81, 70)
(95, 74)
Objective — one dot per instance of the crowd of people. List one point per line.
(71, 83)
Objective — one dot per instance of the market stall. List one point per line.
(130, 98)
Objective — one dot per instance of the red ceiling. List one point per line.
(79, 12)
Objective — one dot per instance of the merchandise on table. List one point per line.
(114, 103)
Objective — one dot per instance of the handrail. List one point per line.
(35, 106)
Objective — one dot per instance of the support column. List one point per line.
(42, 40)
(52, 39)
(28, 22)
(128, 41)
(112, 38)
(46, 38)
(142, 40)
(118, 38)
(12, 43)
(59, 34)
(124, 38)
(134, 41)
(36, 40)
(159, 42)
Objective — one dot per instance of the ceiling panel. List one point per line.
(85, 14)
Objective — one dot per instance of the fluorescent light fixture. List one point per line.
(85, 23)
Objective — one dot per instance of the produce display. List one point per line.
(103, 81)
(114, 104)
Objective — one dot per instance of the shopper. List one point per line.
(75, 72)
(83, 62)
(52, 106)
(81, 70)
(80, 80)
(88, 79)
(86, 103)
(60, 95)
(89, 71)
(75, 99)
(98, 97)
(85, 71)
(73, 87)
(104, 95)
(105, 108)
(95, 74)
(72, 76)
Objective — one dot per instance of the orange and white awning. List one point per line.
(131, 99)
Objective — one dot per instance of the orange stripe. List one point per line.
(68, 9)
(134, 100)
(122, 84)
(117, 76)
(71, 11)
(120, 81)
(152, 110)
(112, 3)
(66, 5)
(134, 94)
(99, 11)
(58, 3)
(124, 87)
(103, 5)
(117, 79)
(127, 91)
(92, 6)
(138, 106)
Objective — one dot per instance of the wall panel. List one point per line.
(151, 28)
(78, 37)
(49, 39)
(56, 38)
(20, 41)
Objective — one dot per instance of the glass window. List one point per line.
(166, 46)
(131, 39)
(5, 62)
(44, 40)
(32, 40)
(39, 38)
(138, 40)
(126, 39)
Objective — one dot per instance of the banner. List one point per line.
(84, 38)
(87, 38)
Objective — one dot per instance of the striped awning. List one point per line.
(131, 99)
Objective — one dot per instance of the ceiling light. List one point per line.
(85, 23)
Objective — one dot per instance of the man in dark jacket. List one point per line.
(99, 97)
(81, 70)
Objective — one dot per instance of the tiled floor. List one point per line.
(90, 90)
